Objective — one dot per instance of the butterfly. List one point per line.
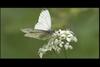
(42, 30)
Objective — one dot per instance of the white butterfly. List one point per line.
(43, 27)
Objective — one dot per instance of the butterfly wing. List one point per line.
(42, 28)
(37, 34)
(44, 21)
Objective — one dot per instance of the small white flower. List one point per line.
(63, 36)
(70, 35)
(66, 47)
(60, 30)
(68, 32)
(69, 39)
(41, 55)
(70, 46)
(61, 44)
(58, 50)
(75, 39)
(56, 41)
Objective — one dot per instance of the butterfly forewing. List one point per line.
(44, 21)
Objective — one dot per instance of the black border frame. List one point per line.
(48, 4)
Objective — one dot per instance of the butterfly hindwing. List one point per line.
(42, 35)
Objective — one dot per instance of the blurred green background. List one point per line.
(84, 22)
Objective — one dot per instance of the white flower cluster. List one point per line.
(59, 39)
